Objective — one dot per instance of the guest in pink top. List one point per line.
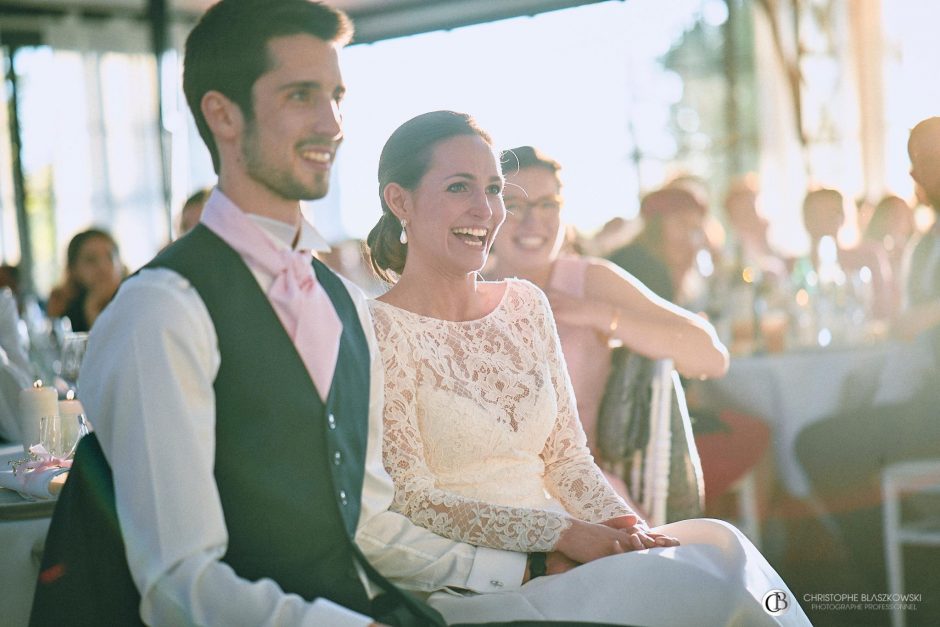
(594, 302)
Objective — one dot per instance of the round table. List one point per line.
(792, 390)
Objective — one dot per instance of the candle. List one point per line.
(71, 414)
(35, 402)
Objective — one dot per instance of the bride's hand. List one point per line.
(641, 537)
(585, 542)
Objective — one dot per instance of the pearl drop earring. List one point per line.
(404, 235)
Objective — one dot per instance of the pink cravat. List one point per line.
(301, 303)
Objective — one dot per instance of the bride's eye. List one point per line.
(457, 187)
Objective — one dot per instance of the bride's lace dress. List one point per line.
(483, 441)
(482, 436)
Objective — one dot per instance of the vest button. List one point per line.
(331, 421)
(342, 497)
(337, 458)
(496, 583)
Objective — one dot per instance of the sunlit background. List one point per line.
(624, 94)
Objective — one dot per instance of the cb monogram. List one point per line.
(776, 602)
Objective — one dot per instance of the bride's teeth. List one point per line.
(471, 236)
(470, 231)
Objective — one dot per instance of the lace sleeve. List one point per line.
(416, 494)
(570, 472)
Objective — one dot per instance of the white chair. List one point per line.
(748, 521)
(669, 421)
(913, 477)
(644, 436)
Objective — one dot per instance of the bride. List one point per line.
(482, 437)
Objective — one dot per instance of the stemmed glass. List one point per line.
(59, 435)
(73, 351)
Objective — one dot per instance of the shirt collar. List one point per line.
(281, 233)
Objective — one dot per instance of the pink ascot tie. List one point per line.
(301, 303)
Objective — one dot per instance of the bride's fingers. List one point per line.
(585, 542)
(648, 542)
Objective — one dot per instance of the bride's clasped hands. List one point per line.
(585, 542)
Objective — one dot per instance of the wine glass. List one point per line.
(59, 435)
(73, 351)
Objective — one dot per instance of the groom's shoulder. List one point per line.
(199, 248)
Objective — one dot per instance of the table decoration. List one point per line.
(34, 403)
(40, 476)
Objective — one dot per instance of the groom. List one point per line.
(229, 381)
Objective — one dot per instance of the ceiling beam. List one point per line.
(400, 19)
(374, 21)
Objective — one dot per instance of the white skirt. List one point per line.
(715, 577)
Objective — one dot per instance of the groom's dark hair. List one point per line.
(228, 49)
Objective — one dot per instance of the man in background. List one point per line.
(845, 455)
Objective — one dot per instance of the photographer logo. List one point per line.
(776, 602)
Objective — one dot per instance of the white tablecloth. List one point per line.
(23, 527)
(793, 390)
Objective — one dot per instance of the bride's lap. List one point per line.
(715, 577)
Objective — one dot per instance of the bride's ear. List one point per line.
(398, 200)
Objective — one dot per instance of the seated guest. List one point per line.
(93, 273)
(890, 228)
(663, 255)
(192, 210)
(593, 301)
(748, 227)
(10, 277)
(823, 216)
(891, 225)
(482, 436)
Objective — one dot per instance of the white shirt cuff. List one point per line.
(496, 571)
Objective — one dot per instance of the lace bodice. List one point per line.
(482, 436)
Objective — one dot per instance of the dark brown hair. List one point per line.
(515, 159)
(404, 160)
(78, 242)
(227, 51)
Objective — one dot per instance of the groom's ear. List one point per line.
(224, 117)
(398, 200)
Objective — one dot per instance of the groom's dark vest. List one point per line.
(289, 467)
